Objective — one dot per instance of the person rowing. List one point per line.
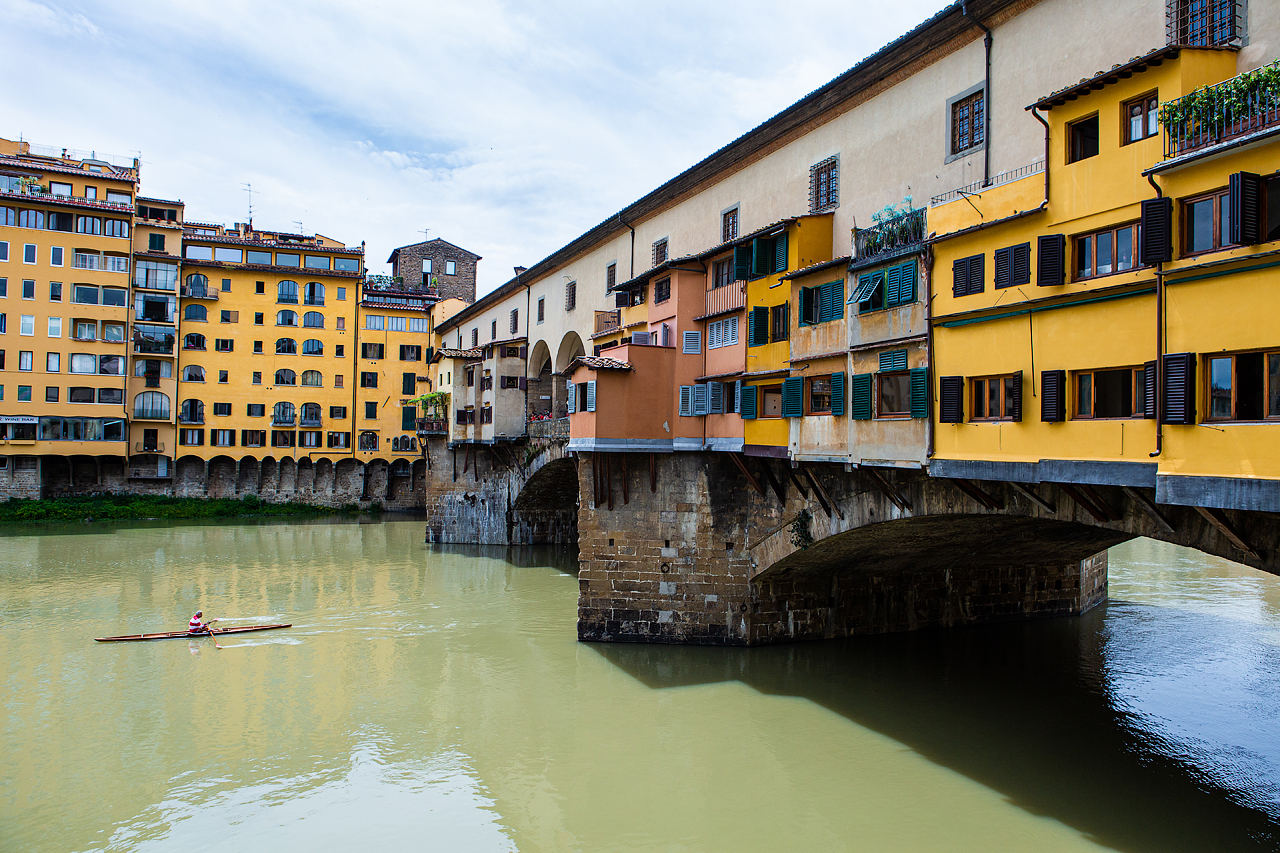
(196, 626)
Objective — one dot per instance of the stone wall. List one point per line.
(462, 285)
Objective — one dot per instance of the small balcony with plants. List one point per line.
(896, 231)
(435, 413)
(1224, 112)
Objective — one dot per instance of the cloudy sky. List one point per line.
(505, 128)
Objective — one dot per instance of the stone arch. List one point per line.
(85, 474)
(269, 482)
(542, 383)
(322, 483)
(377, 476)
(570, 348)
(248, 475)
(221, 480)
(288, 477)
(189, 477)
(546, 508)
(348, 476)
(306, 476)
(55, 476)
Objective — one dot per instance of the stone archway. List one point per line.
(221, 480)
(189, 477)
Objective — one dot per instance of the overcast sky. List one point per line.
(505, 128)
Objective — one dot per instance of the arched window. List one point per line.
(368, 441)
(312, 347)
(282, 414)
(286, 377)
(88, 225)
(8, 215)
(286, 346)
(191, 412)
(197, 285)
(312, 377)
(313, 320)
(117, 228)
(314, 293)
(193, 341)
(311, 414)
(152, 405)
(286, 318)
(193, 373)
(287, 291)
(395, 444)
(30, 219)
(195, 312)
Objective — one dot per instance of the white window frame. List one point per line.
(27, 325)
(29, 250)
(55, 327)
(57, 256)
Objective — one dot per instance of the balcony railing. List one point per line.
(153, 380)
(607, 321)
(556, 428)
(310, 422)
(890, 236)
(279, 420)
(199, 291)
(977, 186)
(728, 298)
(1225, 111)
(432, 426)
(151, 414)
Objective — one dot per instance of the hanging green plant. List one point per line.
(1223, 104)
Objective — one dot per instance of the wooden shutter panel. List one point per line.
(837, 393)
(591, 395)
(686, 401)
(1004, 267)
(621, 299)
(907, 283)
(977, 273)
(758, 326)
(920, 392)
(1022, 263)
(737, 395)
(761, 256)
(1179, 397)
(1157, 231)
(573, 397)
(860, 396)
(691, 342)
(1051, 250)
(793, 397)
(700, 398)
(1245, 197)
(524, 384)
(715, 405)
(1149, 399)
(780, 253)
(1017, 396)
(960, 277)
(408, 414)
(893, 360)
(741, 263)
(951, 399)
(1053, 396)
(747, 402)
(892, 286)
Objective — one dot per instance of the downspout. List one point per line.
(930, 447)
(1159, 389)
(986, 106)
(1035, 111)
(632, 269)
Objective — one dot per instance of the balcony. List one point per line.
(280, 420)
(153, 380)
(731, 297)
(314, 423)
(153, 347)
(889, 238)
(147, 413)
(148, 447)
(432, 426)
(606, 322)
(1229, 110)
(199, 291)
(553, 429)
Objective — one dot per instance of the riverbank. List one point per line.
(100, 507)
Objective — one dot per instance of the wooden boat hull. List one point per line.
(173, 635)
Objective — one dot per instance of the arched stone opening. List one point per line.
(189, 477)
(221, 482)
(546, 510)
(288, 478)
(348, 480)
(269, 481)
(542, 387)
(322, 483)
(248, 476)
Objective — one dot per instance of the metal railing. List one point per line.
(153, 347)
(278, 420)
(310, 422)
(977, 186)
(727, 298)
(556, 428)
(900, 232)
(432, 426)
(1224, 111)
(199, 291)
(1202, 23)
(607, 321)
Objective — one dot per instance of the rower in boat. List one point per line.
(195, 626)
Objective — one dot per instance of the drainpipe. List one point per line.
(1159, 401)
(986, 107)
(1035, 111)
(632, 268)
(930, 448)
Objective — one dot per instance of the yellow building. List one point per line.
(1100, 327)
(65, 247)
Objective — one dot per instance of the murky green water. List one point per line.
(430, 700)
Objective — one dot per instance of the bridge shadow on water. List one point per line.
(1144, 728)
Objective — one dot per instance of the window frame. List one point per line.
(1150, 106)
(1113, 232)
(1220, 196)
(881, 411)
(810, 395)
(1267, 391)
(975, 397)
(1074, 154)
(967, 98)
(763, 392)
(1137, 378)
(820, 201)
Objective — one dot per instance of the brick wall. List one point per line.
(460, 286)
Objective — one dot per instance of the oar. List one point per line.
(213, 633)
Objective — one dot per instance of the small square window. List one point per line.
(1083, 139)
(55, 256)
(226, 285)
(370, 411)
(342, 294)
(257, 377)
(222, 376)
(257, 346)
(51, 394)
(259, 287)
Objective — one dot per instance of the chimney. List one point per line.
(521, 271)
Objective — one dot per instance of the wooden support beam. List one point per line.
(653, 473)
(626, 475)
(455, 468)
(887, 488)
(608, 480)
(595, 479)
(1100, 502)
(466, 458)
(795, 481)
(751, 478)
(1076, 495)
(817, 487)
(1149, 507)
(976, 492)
(773, 481)
(1030, 494)
(1219, 521)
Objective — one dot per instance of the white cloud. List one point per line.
(506, 128)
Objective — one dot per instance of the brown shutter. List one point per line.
(1017, 396)
(1050, 266)
(1157, 231)
(1179, 397)
(951, 399)
(1053, 396)
(1245, 196)
(1149, 403)
(622, 299)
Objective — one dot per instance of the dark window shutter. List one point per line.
(1017, 396)
(1053, 396)
(977, 273)
(1149, 400)
(1245, 197)
(793, 397)
(751, 328)
(761, 256)
(1022, 263)
(920, 392)
(408, 414)
(837, 393)
(893, 360)
(622, 299)
(960, 277)
(860, 396)
(1157, 231)
(1004, 267)
(524, 383)
(524, 352)
(907, 283)
(748, 407)
(741, 263)
(1179, 397)
(1050, 263)
(780, 253)
(758, 326)
(951, 399)
(402, 350)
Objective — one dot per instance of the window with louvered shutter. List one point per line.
(747, 402)
(960, 277)
(1179, 397)
(1022, 263)
(700, 396)
(780, 253)
(591, 395)
(906, 285)
(1051, 250)
(1245, 200)
(686, 401)
(691, 342)
(892, 286)
(977, 273)
(860, 396)
(837, 393)
(920, 392)
(572, 390)
(1157, 231)
(870, 293)
(793, 397)
(1150, 401)
(1053, 396)
(1015, 396)
(622, 299)
(715, 406)
(951, 399)
(737, 395)
(893, 360)
(809, 305)
(1004, 267)
(831, 299)
(741, 263)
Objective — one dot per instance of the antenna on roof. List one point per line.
(298, 222)
(426, 232)
(249, 189)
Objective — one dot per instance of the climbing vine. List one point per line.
(801, 537)
(1223, 102)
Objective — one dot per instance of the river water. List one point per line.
(436, 699)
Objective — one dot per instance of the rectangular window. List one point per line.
(780, 322)
(288, 260)
(80, 394)
(253, 437)
(610, 278)
(1202, 23)
(542, 308)
(55, 327)
(722, 333)
(27, 325)
(4, 250)
(493, 330)
(368, 380)
(113, 396)
(1116, 393)
(338, 380)
(450, 267)
(256, 410)
(515, 320)
(660, 251)
(1013, 265)
(55, 291)
(257, 377)
(408, 383)
(410, 352)
(820, 395)
(1244, 386)
(822, 303)
(342, 296)
(85, 294)
(222, 437)
(316, 262)
(1106, 252)
(824, 185)
(223, 344)
(226, 285)
(1083, 139)
(257, 347)
(52, 362)
(1207, 223)
(155, 243)
(24, 393)
(29, 253)
(395, 324)
(996, 398)
(729, 225)
(969, 275)
(222, 409)
(337, 413)
(370, 411)
(968, 128)
(55, 256)
(1141, 118)
(227, 316)
(721, 276)
(29, 290)
(50, 394)
(691, 342)
(374, 322)
(372, 352)
(570, 302)
(770, 401)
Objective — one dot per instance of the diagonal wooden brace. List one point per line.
(1219, 521)
(887, 488)
(976, 492)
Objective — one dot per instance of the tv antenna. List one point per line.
(426, 232)
(249, 189)
(298, 222)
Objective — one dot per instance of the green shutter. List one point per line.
(751, 328)
(408, 415)
(832, 301)
(758, 326)
(793, 397)
(741, 263)
(893, 360)
(920, 392)
(748, 402)
(837, 393)
(806, 298)
(761, 256)
(907, 283)
(892, 286)
(860, 396)
(780, 252)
